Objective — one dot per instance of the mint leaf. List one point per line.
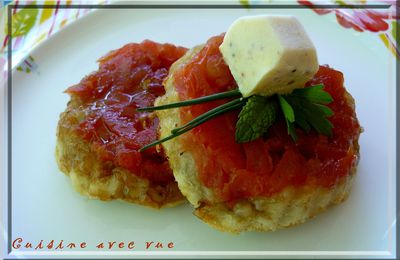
(256, 118)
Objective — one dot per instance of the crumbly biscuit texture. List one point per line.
(100, 179)
(293, 205)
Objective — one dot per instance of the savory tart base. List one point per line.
(100, 132)
(291, 206)
(102, 180)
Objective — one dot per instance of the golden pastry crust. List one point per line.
(103, 180)
(292, 206)
(289, 207)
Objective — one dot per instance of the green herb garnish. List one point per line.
(314, 94)
(230, 106)
(234, 104)
(289, 115)
(200, 100)
(256, 117)
(305, 108)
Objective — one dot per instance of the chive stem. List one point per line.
(199, 122)
(222, 95)
(210, 114)
(158, 142)
(195, 122)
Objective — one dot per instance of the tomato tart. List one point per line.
(100, 132)
(266, 184)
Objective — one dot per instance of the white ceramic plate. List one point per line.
(45, 207)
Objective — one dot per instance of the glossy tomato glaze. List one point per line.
(127, 78)
(269, 164)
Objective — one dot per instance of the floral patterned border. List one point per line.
(33, 26)
(381, 22)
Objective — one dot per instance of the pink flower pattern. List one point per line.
(359, 19)
(380, 21)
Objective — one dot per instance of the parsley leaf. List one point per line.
(289, 115)
(286, 109)
(256, 118)
(302, 122)
(314, 94)
(309, 110)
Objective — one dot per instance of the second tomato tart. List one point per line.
(271, 182)
(100, 132)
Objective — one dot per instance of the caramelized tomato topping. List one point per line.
(127, 78)
(269, 164)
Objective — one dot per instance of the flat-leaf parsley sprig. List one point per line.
(305, 108)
